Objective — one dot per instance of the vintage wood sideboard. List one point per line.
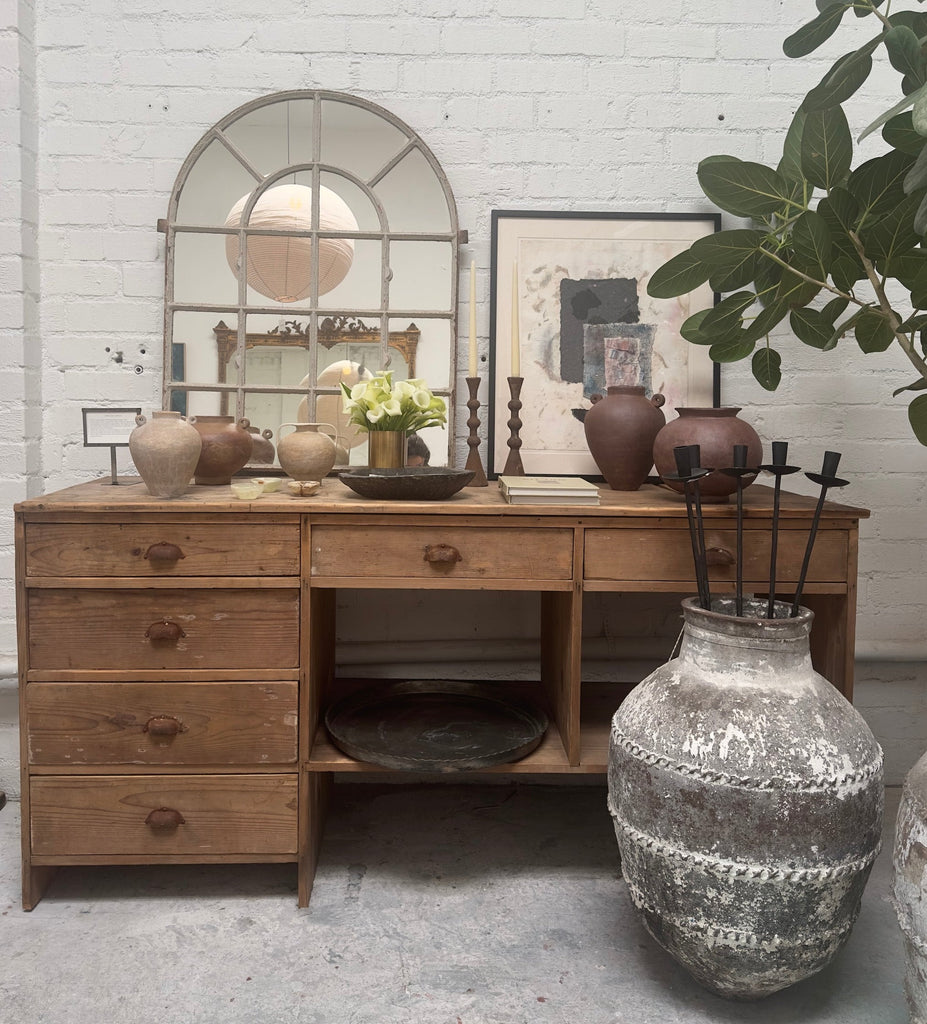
(176, 657)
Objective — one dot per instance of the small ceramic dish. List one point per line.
(247, 490)
(268, 484)
(303, 488)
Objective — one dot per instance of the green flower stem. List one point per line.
(906, 343)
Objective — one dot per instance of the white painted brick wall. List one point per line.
(539, 104)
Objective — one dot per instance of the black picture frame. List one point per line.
(580, 274)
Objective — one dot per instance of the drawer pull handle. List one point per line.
(164, 551)
(164, 819)
(163, 725)
(719, 556)
(164, 632)
(441, 554)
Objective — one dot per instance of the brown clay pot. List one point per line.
(620, 431)
(226, 448)
(262, 448)
(715, 431)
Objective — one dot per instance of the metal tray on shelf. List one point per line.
(435, 726)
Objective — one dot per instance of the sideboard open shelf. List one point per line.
(176, 657)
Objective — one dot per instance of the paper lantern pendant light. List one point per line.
(279, 266)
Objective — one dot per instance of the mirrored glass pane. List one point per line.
(358, 140)
(361, 287)
(421, 275)
(427, 354)
(215, 183)
(203, 336)
(202, 273)
(275, 135)
(412, 196)
(358, 201)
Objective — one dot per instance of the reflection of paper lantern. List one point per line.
(280, 267)
(329, 408)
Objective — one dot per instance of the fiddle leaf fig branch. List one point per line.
(838, 251)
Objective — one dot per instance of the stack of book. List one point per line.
(548, 490)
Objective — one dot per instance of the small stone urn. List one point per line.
(165, 452)
(746, 794)
(909, 889)
(308, 453)
(620, 431)
(226, 448)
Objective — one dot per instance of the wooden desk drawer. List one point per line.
(85, 628)
(231, 723)
(102, 816)
(666, 554)
(441, 552)
(156, 549)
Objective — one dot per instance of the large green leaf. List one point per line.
(917, 176)
(893, 235)
(743, 188)
(917, 417)
(843, 79)
(904, 52)
(678, 276)
(834, 308)
(729, 279)
(790, 164)
(919, 111)
(846, 270)
(918, 385)
(916, 21)
(918, 289)
(826, 147)
(794, 289)
(811, 327)
(767, 368)
(896, 108)
(765, 321)
(812, 245)
(729, 350)
(920, 218)
(727, 249)
(691, 328)
(873, 333)
(727, 315)
(768, 276)
(877, 185)
(899, 133)
(810, 36)
(840, 211)
(868, 6)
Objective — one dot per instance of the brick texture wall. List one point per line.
(540, 104)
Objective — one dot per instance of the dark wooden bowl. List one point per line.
(417, 483)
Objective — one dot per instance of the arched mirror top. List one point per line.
(373, 247)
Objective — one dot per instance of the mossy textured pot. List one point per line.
(910, 884)
(746, 794)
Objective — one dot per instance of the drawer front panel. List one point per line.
(163, 629)
(163, 816)
(169, 549)
(161, 723)
(442, 552)
(666, 554)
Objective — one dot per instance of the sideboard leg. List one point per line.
(35, 882)
(313, 806)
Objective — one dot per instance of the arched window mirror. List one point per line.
(311, 238)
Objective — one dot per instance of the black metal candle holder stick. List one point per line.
(688, 472)
(474, 462)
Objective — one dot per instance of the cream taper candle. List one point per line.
(472, 365)
(516, 359)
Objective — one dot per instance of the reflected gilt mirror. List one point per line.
(311, 239)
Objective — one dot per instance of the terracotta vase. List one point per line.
(308, 453)
(165, 452)
(620, 432)
(715, 431)
(746, 794)
(909, 885)
(263, 452)
(386, 449)
(226, 448)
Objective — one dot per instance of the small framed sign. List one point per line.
(109, 428)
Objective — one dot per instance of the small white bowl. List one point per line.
(247, 490)
(268, 484)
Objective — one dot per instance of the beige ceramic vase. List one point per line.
(165, 452)
(226, 448)
(308, 453)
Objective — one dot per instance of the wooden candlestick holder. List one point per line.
(474, 461)
(513, 466)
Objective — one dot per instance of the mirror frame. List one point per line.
(321, 328)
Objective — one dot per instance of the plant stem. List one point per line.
(809, 279)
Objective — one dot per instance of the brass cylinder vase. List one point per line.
(386, 449)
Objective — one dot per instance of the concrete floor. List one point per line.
(434, 904)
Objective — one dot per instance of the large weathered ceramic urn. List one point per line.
(909, 889)
(746, 794)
